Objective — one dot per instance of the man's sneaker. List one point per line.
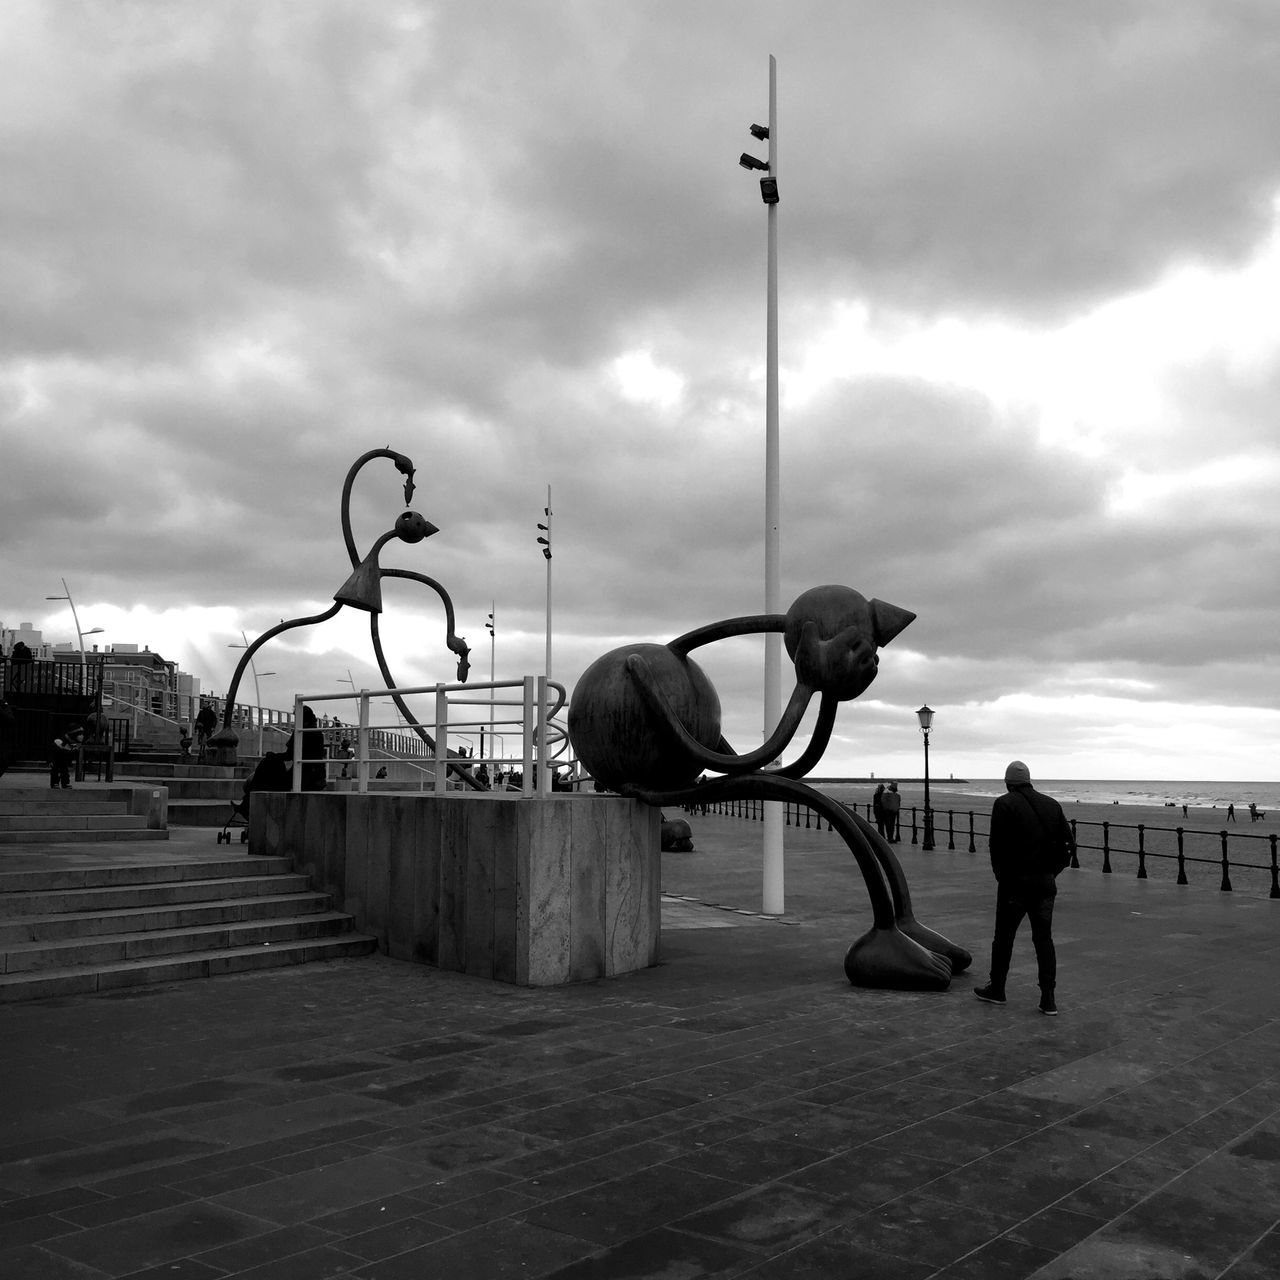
(1048, 1006)
(989, 994)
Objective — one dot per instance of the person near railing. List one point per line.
(1031, 842)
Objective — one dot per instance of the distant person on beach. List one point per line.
(1231, 813)
(1031, 842)
(877, 808)
(892, 803)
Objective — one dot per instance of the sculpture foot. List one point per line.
(888, 958)
(959, 958)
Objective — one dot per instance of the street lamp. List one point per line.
(925, 716)
(80, 635)
(257, 692)
(773, 878)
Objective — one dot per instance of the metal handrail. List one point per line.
(537, 724)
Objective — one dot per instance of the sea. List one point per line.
(1266, 795)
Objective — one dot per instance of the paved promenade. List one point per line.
(739, 1110)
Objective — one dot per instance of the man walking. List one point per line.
(1031, 842)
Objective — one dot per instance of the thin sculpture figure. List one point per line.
(363, 590)
(645, 721)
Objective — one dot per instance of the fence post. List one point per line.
(951, 830)
(442, 734)
(1075, 857)
(1142, 854)
(1182, 862)
(362, 738)
(973, 848)
(1106, 848)
(526, 782)
(913, 825)
(1225, 886)
(1275, 871)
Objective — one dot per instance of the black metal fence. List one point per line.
(1224, 851)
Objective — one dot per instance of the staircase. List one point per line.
(41, 815)
(200, 795)
(99, 927)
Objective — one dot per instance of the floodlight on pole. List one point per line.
(773, 889)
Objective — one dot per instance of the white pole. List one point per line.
(548, 672)
(493, 636)
(772, 861)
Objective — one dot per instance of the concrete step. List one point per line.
(126, 897)
(50, 801)
(92, 924)
(115, 948)
(150, 771)
(88, 835)
(200, 813)
(86, 979)
(210, 868)
(73, 820)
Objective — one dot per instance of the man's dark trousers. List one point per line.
(1031, 897)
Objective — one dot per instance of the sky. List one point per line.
(1029, 263)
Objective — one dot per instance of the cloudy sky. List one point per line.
(1029, 268)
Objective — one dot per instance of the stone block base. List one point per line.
(535, 891)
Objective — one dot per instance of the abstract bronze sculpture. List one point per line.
(645, 721)
(363, 590)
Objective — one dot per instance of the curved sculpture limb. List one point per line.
(827, 709)
(455, 642)
(255, 646)
(403, 465)
(786, 728)
(884, 957)
(754, 624)
(904, 915)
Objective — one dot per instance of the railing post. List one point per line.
(1275, 871)
(1075, 845)
(526, 782)
(362, 743)
(973, 848)
(1225, 886)
(544, 750)
(951, 830)
(914, 837)
(296, 776)
(1106, 848)
(1182, 861)
(442, 746)
(1142, 854)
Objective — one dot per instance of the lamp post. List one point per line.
(257, 692)
(773, 877)
(925, 716)
(80, 635)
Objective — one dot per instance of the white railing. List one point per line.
(544, 741)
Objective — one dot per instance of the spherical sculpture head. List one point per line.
(411, 527)
(617, 734)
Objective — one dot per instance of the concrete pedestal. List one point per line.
(535, 891)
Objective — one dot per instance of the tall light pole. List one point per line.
(80, 635)
(491, 628)
(546, 551)
(257, 692)
(773, 876)
(925, 716)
